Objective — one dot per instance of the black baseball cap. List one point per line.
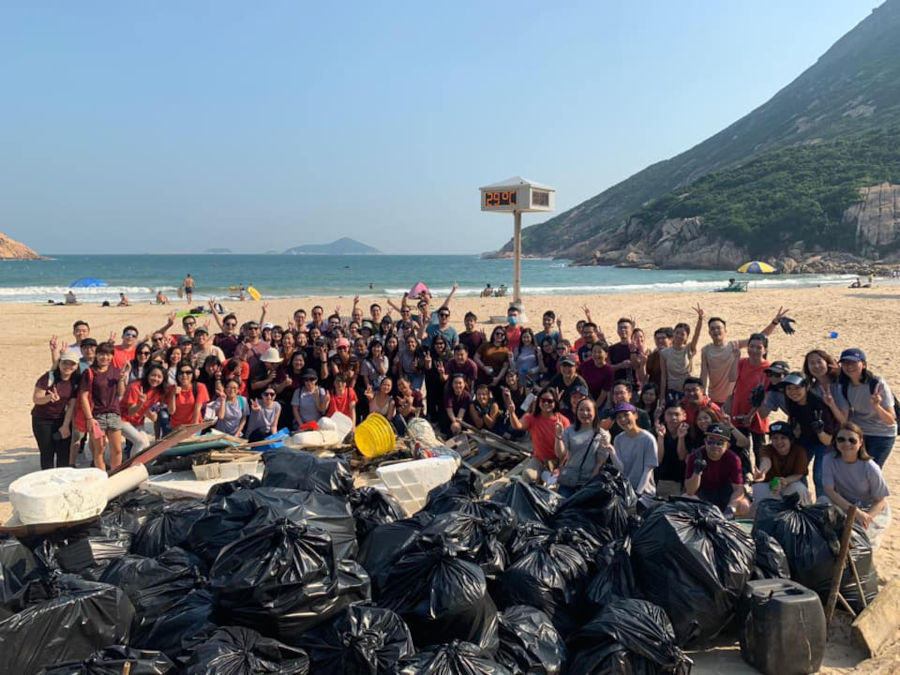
(781, 367)
(782, 428)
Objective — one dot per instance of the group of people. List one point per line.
(675, 418)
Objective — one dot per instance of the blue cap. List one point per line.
(624, 407)
(853, 355)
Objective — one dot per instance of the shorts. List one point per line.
(109, 421)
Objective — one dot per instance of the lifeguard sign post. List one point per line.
(517, 195)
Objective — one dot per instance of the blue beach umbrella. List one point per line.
(88, 282)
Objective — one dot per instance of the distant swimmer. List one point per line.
(188, 288)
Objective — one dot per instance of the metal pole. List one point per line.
(517, 257)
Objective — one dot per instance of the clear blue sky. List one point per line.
(177, 126)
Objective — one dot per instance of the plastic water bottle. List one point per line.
(831, 335)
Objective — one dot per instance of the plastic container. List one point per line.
(375, 436)
(410, 482)
(781, 626)
(234, 470)
(206, 471)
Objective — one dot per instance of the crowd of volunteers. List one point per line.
(675, 417)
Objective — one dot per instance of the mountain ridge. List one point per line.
(342, 246)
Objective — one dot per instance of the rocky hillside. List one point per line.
(851, 91)
(10, 249)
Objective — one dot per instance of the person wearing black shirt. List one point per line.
(671, 443)
(813, 422)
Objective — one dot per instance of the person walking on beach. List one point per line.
(188, 288)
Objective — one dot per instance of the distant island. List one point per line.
(342, 246)
(217, 251)
(10, 249)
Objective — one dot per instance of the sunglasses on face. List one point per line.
(185, 372)
(268, 394)
(716, 441)
(189, 323)
(129, 334)
(547, 400)
(144, 353)
(230, 324)
(443, 315)
(252, 327)
(847, 439)
(158, 339)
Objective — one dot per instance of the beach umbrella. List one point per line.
(756, 267)
(417, 289)
(88, 282)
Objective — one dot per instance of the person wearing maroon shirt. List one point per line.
(620, 353)
(713, 474)
(598, 374)
(99, 393)
(461, 364)
(54, 398)
(471, 337)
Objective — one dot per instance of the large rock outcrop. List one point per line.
(877, 219)
(10, 249)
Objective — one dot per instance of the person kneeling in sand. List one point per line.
(713, 474)
(161, 298)
(782, 459)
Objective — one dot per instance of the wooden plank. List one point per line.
(878, 625)
(839, 565)
(163, 444)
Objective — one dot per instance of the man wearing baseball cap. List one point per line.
(565, 381)
(713, 474)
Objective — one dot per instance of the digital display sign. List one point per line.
(500, 198)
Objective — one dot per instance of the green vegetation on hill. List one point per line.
(798, 193)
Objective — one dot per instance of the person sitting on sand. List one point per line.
(782, 466)
(713, 474)
(70, 298)
(124, 301)
(545, 425)
(161, 298)
(851, 476)
(487, 292)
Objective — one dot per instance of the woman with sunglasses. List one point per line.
(492, 358)
(545, 426)
(231, 409)
(142, 354)
(186, 398)
(54, 397)
(265, 413)
(140, 403)
(851, 476)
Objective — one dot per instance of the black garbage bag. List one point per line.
(440, 595)
(614, 578)
(810, 538)
(627, 636)
(529, 643)
(371, 508)
(235, 650)
(360, 640)
(528, 502)
(771, 562)
(115, 660)
(170, 598)
(464, 486)
(455, 658)
(169, 528)
(219, 490)
(129, 512)
(386, 543)
(528, 534)
(298, 470)
(225, 518)
(692, 562)
(474, 535)
(86, 551)
(283, 579)
(603, 507)
(80, 618)
(17, 569)
(549, 576)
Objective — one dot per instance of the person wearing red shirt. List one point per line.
(694, 399)
(186, 398)
(513, 329)
(141, 396)
(343, 398)
(544, 426)
(751, 376)
(123, 353)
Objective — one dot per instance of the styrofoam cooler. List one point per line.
(410, 482)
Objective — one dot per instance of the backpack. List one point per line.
(873, 384)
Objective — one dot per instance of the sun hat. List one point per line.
(271, 355)
(853, 354)
(268, 324)
(70, 355)
(341, 342)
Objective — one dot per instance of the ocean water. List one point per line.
(139, 276)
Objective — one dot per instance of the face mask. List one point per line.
(512, 320)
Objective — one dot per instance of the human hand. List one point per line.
(863, 518)
(65, 431)
(758, 475)
(112, 337)
(455, 427)
(369, 393)
(559, 428)
(660, 429)
(126, 369)
(700, 464)
(53, 394)
(699, 310)
(876, 395)
(254, 405)
(683, 429)
(54, 343)
(817, 425)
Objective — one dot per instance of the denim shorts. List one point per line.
(109, 421)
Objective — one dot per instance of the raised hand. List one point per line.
(876, 395)
(126, 369)
(660, 429)
(54, 343)
(683, 429)
(112, 337)
(254, 405)
(53, 394)
(699, 310)
(370, 394)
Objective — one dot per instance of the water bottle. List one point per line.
(831, 335)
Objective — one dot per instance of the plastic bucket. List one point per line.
(375, 436)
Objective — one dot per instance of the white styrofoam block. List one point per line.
(410, 482)
(58, 495)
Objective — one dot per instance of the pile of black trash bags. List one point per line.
(303, 573)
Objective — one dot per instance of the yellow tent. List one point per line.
(756, 267)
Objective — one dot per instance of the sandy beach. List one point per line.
(865, 318)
